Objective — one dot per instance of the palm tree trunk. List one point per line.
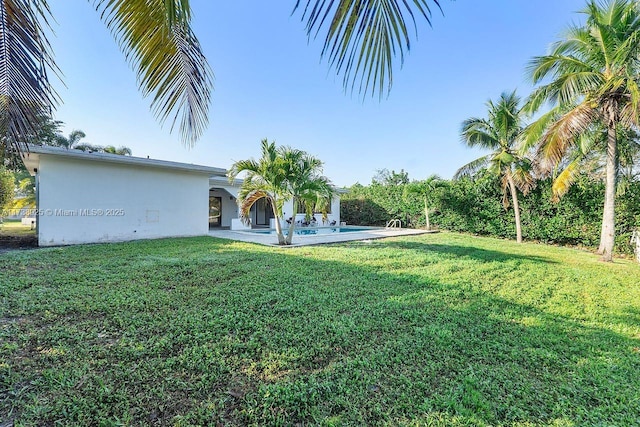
(516, 208)
(276, 214)
(426, 213)
(607, 237)
(292, 226)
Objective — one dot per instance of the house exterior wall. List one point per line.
(82, 201)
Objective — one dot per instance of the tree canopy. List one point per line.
(590, 77)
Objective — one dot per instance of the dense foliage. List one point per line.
(6, 188)
(474, 206)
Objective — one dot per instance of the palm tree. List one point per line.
(155, 37)
(501, 132)
(305, 183)
(424, 189)
(71, 141)
(281, 174)
(594, 82)
(264, 179)
(362, 40)
(122, 151)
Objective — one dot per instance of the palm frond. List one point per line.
(26, 95)
(240, 166)
(157, 40)
(630, 112)
(472, 168)
(565, 179)
(564, 132)
(364, 36)
(475, 132)
(522, 175)
(247, 201)
(532, 134)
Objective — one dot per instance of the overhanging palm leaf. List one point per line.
(25, 55)
(364, 36)
(157, 40)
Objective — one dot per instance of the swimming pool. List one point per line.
(315, 231)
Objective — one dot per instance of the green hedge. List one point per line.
(476, 207)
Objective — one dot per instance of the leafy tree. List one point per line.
(6, 188)
(46, 133)
(500, 132)
(386, 177)
(281, 174)
(593, 73)
(425, 189)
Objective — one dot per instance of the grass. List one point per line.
(441, 329)
(14, 227)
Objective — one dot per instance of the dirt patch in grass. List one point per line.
(17, 243)
(14, 237)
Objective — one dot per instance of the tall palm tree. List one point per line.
(593, 73)
(281, 174)
(155, 37)
(500, 132)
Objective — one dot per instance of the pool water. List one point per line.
(312, 231)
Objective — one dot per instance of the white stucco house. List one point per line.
(98, 197)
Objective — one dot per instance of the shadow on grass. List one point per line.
(216, 332)
(473, 252)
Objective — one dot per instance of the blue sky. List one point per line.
(271, 83)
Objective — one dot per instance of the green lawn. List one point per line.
(440, 329)
(10, 227)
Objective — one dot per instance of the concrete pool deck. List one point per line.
(307, 240)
